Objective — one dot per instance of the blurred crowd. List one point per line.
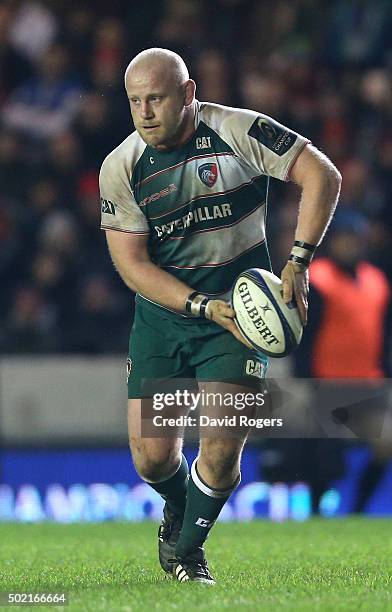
(322, 68)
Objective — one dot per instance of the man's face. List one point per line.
(157, 107)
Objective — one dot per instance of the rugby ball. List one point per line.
(263, 318)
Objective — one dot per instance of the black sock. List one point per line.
(173, 490)
(203, 506)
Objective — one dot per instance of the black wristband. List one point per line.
(196, 305)
(188, 303)
(305, 245)
(300, 260)
(203, 307)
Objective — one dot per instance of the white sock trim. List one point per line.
(216, 493)
(166, 477)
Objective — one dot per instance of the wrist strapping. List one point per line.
(302, 253)
(196, 304)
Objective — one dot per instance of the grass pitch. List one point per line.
(326, 565)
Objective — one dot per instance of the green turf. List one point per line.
(326, 565)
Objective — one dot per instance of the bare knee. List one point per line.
(153, 460)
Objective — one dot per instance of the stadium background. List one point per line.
(322, 68)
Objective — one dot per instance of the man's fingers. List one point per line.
(296, 282)
(287, 290)
(218, 309)
(302, 304)
(227, 311)
(233, 328)
(288, 283)
(301, 296)
(223, 314)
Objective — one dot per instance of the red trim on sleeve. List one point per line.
(289, 169)
(117, 229)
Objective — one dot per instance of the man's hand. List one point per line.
(296, 281)
(221, 312)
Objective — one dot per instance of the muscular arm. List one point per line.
(130, 257)
(320, 183)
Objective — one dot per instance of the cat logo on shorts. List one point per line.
(129, 367)
(254, 368)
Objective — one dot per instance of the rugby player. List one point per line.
(183, 205)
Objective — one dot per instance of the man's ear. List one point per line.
(189, 92)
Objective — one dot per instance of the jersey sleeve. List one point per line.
(119, 209)
(265, 144)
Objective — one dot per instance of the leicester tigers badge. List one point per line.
(208, 173)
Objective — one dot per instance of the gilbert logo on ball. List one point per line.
(262, 317)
